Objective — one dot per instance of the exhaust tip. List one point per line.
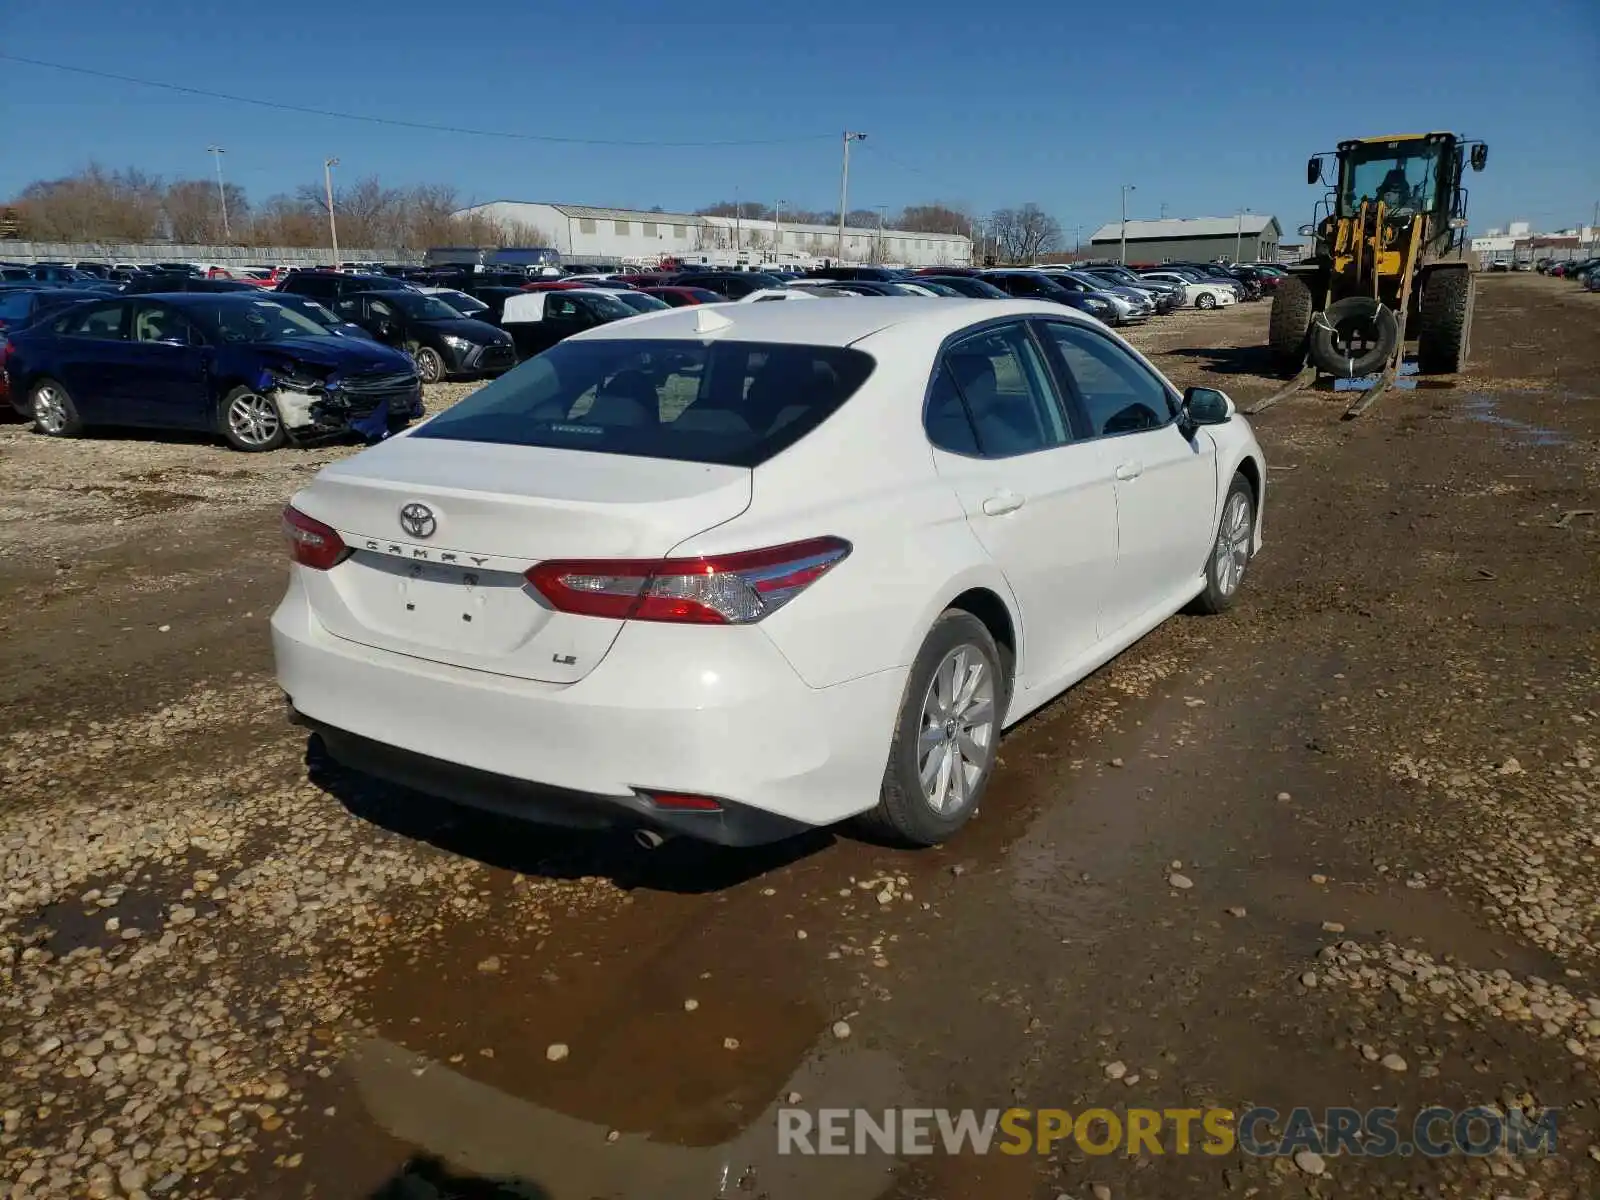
(649, 839)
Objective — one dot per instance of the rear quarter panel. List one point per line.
(866, 475)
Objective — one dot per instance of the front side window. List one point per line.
(158, 323)
(732, 403)
(1119, 393)
(1005, 396)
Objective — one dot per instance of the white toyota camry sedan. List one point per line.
(735, 571)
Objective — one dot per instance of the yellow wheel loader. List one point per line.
(1388, 255)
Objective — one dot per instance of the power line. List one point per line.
(402, 124)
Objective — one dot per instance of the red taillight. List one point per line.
(722, 589)
(311, 543)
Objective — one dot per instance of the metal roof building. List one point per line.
(582, 233)
(1245, 237)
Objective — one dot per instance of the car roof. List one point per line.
(825, 324)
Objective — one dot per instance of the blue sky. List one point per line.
(1206, 108)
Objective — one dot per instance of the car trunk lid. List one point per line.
(441, 533)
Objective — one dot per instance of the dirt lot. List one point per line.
(1336, 848)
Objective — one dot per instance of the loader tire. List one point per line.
(1326, 352)
(1445, 322)
(1289, 324)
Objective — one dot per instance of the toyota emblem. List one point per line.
(418, 520)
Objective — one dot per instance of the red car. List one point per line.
(680, 297)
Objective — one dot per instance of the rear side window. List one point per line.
(730, 403)
(991, 395)
(14, 306)
(99, 321)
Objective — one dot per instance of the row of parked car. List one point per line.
(1585, 271)
(321, 353)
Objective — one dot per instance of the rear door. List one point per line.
(1038, 498)
(90, 354)
(1166, 484)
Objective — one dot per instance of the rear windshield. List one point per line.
(731, 403)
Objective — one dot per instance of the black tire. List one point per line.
(1205, 300)
(60, 415)
(1330, 359)
(1222, 589)
(1290, 324)
(260, 430)
(430, 364)
(905, 815)
(1445, 322)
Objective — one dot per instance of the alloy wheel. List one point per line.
(958, 728)
(49, 413)
(253, 419)
(1232, 554)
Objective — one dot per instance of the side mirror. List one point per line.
(1314, 169)
(385, 329)
(1308, 231)
(1205, 406)
(1480, 156)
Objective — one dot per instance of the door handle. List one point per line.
(1004, 502)
(1130, 470)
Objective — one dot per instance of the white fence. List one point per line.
(149, 252)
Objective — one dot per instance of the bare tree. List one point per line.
(933, 218)
(1022, 234)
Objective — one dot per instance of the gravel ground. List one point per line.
(1336, 848)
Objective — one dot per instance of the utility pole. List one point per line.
(1163, 210)
(222, 195)
(882, 212)
(1126, 188)
(844, 185)
(1238, 237)
(777, 230)
(1077, 240)
(328, 164)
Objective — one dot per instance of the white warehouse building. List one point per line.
(585, 234)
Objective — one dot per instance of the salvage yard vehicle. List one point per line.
(243, 366)
(438, 339)
(1197, 292)
(1388, 255)
(538, 320)
(1036, 285)
(739, 571)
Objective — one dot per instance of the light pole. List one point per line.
(844, 185)
(222, 196)
(738, 233)
(777, 231)
(1126, 188)
(328, 164)
(1238, 237)
(883, 210)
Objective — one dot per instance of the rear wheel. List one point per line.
(1290, 322)
(251, 421)
(54, 414)
(946, 736)
(1445, 322)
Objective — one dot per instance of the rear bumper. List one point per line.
(709, 712)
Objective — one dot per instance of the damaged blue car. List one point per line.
(244, 366)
